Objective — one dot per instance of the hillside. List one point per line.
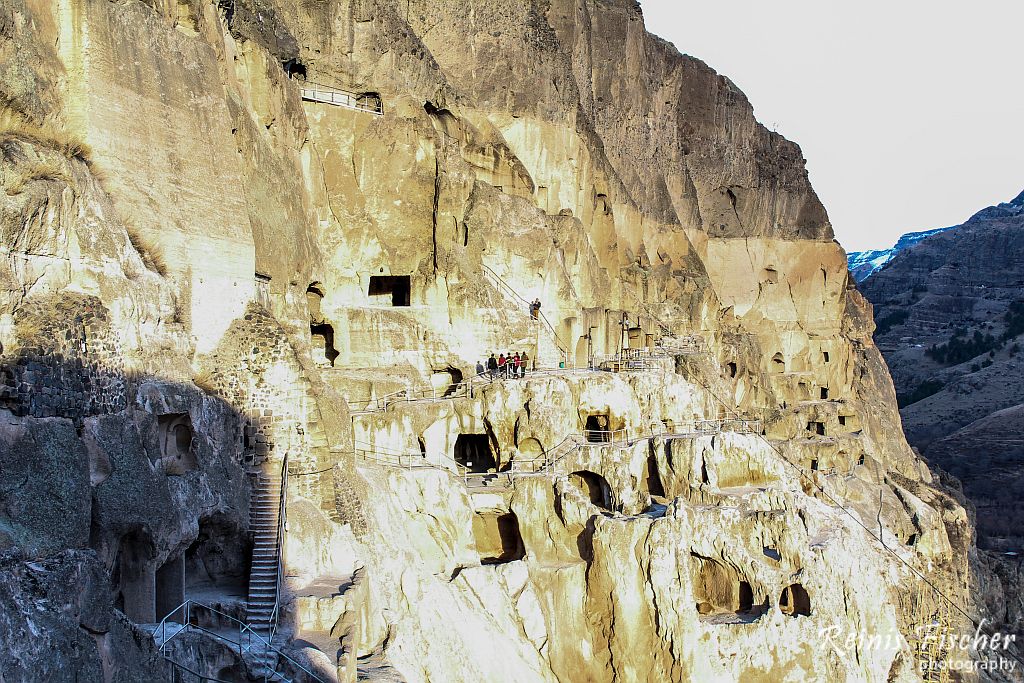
(950, 315)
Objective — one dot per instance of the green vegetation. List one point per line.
(923, 391)
(887, 322)
(961, 347)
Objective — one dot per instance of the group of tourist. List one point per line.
(505, 365)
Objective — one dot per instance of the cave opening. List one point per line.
(795, 601)
(816, 428)
(594, 486)
(732, 369)
(596, 429)
(176, 436)
(473, 451)
(398, 287)
(216, 564)
(169, 587)
(824, 393)
(720, 589)
(778, 364)
(134, 578)
(652, 476)
(498, 539)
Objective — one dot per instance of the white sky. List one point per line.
(910, 113)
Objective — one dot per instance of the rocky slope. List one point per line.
(254, 244)
(864, 264)
(950, 317)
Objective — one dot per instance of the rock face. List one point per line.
(254, 245)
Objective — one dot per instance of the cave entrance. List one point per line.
(322, 339)
(216, 565)
(795, 601)
(778, 364)
(498, 539)
(473, 451)
(816, 428)
(176, 452)
(652, 476)
(594, 486)
(596, 428)
(134, 578)
(170, 587)
(398, 287)
(320, 330)
(824, 393)
(719, 589)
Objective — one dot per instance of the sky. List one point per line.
(909, 113)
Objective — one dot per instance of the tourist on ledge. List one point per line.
(502, 370)
(517, 365)
(523, 359)
(479, 368)
(492, 366)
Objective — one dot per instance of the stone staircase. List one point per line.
(265, 523)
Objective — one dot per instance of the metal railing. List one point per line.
(249, 640)
(503, 286)
(342, 98)
(281, 525)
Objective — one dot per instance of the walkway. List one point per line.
(311, 92)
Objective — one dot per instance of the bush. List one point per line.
(15, 180)
(151, 255)
(15, 125)
(923, 391)
(887, 322)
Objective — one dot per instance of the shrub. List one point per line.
(150, 254)
(14, 181)
(15, 125)
(923, 391)
(887, 322)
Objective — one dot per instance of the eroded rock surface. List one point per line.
(253, 245)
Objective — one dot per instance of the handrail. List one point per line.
(408, 395)
(540, 315)
(281, 524)
(243, 627)
(339, 97)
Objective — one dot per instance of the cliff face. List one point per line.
(258, 245)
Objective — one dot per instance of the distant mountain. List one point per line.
(864, 264)
(949, 311)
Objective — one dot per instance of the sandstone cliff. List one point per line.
(252, 254)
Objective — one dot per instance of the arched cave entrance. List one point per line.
(176, 452)
(778, 364)
(473, 451)
(497, 537)
(795, 601)
(719, 589)
(397, 287)
(594, 486)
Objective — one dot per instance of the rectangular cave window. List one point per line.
(842, 420)
(824, 355)
(816, 427)
(824, 393)
(398, 287)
